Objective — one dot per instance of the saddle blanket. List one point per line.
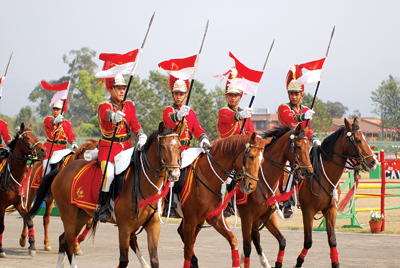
(37, 178)
(85, 186)
(188, 185)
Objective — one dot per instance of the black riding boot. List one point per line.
(104, 201)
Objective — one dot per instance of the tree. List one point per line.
(336, 109)
(322, 120)
(386, 99)
(10, 123)
(356, 114)
(26, 116)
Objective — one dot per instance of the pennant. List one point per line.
(314, 71)
(1, 85)
(119, 63)
(59, 87)
(180, 68)
(61, 94)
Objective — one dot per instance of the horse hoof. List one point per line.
(47, 247)
(3, 255)
(22, 242)
(32, 253)
(79, 253)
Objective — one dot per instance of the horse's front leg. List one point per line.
(188, 234)
(2, 214)
(135, 247)
(82, 237)
(46, 221)
(31, 197)
(330, 218)
(31, 232)
(247, 225)
(272, 227)
(22, 239)
(153, 234)
(124, 232)
(308, 218)
(230, 237)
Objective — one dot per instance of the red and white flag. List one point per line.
(247, 80)
(123, 63)
(1, 85)
(61, 94)
(180, 68)
(314, 71)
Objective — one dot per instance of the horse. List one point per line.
(161, 155)
(286, 145)
(242, 152)
(25, 146)
(348, 142)
(89, 144)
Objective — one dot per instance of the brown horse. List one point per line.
(24, 146)
(242, 152)
(162, 151)
(89, 144)
(289, 145)
(348, 142)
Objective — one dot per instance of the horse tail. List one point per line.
(348, 197)
(94, 226)
(45, 185)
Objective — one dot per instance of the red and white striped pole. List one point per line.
(383, 187)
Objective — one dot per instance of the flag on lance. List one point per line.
(245, 79)
(314, 71)
(119, 64)
(1, 85)
(180, 68)
(61, 94)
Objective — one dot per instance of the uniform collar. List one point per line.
(233, 109)
(175, 106)
(292, 106)
(114, 103)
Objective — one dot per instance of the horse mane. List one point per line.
(153, 136)
(229, 145)
(276, 133)
(85, 146)
(13, 142)
(329, 143)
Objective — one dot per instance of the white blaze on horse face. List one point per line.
(260, 157)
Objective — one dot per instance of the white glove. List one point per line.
(317, 142)
(141, 141)
(58, 119)
(117, 117)
(74, 147)
(184, 111)
(205, 145)
(246, 113)
(309, 114)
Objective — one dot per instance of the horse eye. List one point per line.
(162, 147)
(27, 138)
(251, 157)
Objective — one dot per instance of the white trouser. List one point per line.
(109, 175)
(45, 161)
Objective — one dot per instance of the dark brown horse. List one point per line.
(242, 152)
(89, 144)
(348, 142)
(289, 145)
(24, 146)
(162, 150)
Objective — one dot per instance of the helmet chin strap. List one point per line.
(115, 97)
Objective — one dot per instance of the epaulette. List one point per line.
(105, 101)
(225, 107)
(284, 104)
(130, 102)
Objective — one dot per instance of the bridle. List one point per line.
(246, 150)
(32, 148)
(163, 164)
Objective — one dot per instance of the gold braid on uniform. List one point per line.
(109, 134)
(229, 132)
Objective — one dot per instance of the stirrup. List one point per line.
(104, 214)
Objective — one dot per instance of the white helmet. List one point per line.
(119, 81)
(58, 104)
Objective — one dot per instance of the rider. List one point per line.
(109, 113)
(230, 118)
(4, 133)
(177, 112)
(64, 133)
(293, 113)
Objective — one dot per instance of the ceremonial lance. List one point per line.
(5, 74)
(252, 98)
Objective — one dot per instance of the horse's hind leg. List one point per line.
(31, 233)
(330, 218)
(135, 247)
(46, 221)
(229, 236)
(82, 237)
(2, 214)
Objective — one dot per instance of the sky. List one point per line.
(363, 52)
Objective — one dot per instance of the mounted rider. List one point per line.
(4, 133)
(64, 133)
(109, 114)
(293, 113)
(230, 117)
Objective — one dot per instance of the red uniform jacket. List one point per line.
(289, 117)
(229, 123)
(192, 125)
(104, 113)
(64, 135)
(4, 133)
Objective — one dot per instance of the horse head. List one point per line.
(31, 147)
(251, 162)
(360, 149)
(298, 152)
(169, 149)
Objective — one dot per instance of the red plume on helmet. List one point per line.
(172, 80)
(232, 74)
(294, 73)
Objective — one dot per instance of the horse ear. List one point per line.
(348, 125)
(307, 129)
(253, 138)
(161, 127)
(30, 127)
(355, 121)
(298, 129)
(268, 141)
(22, 127)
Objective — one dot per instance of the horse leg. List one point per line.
(188, 234)
(82, 237)
(246, 235)
(2, 214)
(62, 247)
(153, 234)
(46, 221)
(124, 232)
(330, 219)
(308, 218)
(230, 237)
(31, 232)
(135, 247)
(272, 227)
(31, 197)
